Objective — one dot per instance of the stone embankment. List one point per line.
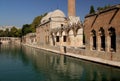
(77, 53)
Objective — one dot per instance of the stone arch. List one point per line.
(60, 31)
(71, 32)
(69, 37)
(67, 31)
(112, 35)
(58, 36)
(102, 38)
(52, 36)
(63, 33)
(75, 29)
(79, 31)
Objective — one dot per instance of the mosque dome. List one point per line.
(57, 13)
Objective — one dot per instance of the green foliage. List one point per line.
(26, 29)
(92, 10)
(103, 8)
(14, 32)
(19, 32)
(31, 28)
(7, 32)
(2, 33)
(36, 22)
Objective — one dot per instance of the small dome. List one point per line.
(55, 14)
(58, 13)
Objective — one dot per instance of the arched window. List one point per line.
(112, 39)
(64, 36)
(93, 32)
(102, 37)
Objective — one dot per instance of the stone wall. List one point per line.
(77, 51)
(55, 48)
(104, 23)
(10, 40)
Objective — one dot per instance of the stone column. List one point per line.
(99, 43)
(71, 8)
(91, 43)
(108, 43)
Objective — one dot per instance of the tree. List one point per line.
(26, 29)
(31, 28)
(19, 32)
(99, 8)
(2, 33)
(92, 10)
(7, 33)
(13, 32)
(103, 8)
(36, 22)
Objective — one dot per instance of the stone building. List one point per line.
(62, 34)
(29, 39)
(102, 33)
(10, 40)
(58, 30)
(51, 21)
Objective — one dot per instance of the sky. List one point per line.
(19, 12)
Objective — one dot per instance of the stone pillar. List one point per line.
(99, 43)
(91, 43)
(108, 43)
(71, 8)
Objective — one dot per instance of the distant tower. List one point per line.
(71, 8)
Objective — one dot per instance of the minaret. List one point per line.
(71, 8)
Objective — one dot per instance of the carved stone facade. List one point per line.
(61, 34)
(55, 30)
(70, 36)
(29, 39)
(102, 33)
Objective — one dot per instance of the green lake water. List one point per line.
(20, 63)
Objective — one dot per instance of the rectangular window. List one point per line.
(57, 39)
(64, 38)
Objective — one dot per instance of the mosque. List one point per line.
(65, 34)
(59, 30)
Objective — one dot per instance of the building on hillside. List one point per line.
(102, 33)
(7, 27)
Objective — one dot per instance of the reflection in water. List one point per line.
(63, 68)
(38, 65)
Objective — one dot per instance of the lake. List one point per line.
(22, 63)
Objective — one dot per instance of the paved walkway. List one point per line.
(99, 60)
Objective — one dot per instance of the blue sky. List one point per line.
(19, 12)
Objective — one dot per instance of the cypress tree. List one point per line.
(92, 10)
